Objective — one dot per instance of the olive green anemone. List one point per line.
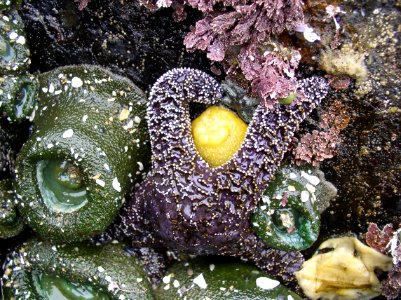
(14, 51)
(288, 217)
(18, 96)
(89, 146)
(41, 270)
(10, 222)
(8, 4)
(219, 278)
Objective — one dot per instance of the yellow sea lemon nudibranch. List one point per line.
(218, 133)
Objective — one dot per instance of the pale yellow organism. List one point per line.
(218, 133)
(346, 272)
(345, 61)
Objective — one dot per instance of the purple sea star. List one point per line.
(185, 204)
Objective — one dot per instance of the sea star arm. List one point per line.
(168, 112)
(270, 133)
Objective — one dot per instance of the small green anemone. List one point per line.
(288, 100)
(288, 217)
(14, 51)
(18, 95)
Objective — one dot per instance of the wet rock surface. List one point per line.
(12, 137)
(119, 35)
(367, 168)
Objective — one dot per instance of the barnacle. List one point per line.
(88, 147)
(8, 4)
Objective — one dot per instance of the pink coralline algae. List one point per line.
(322, 144)
(241, 23)
(387, 241)
(271, 75)
(237, 32)
(379, 239)
(316, 147)
(339, 83)
(82, 4)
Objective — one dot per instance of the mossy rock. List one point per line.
(42, 270)
(238, 100)
(219, 278)
(88, 148)
(7, 153)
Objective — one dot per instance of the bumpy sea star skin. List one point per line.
(185, 204)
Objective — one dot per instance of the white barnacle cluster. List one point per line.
(56, 87)
(308, 32)
(5, 2)
(19, 39)
(266, 283)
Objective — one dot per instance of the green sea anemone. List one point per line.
(14, 51)
(10, 221)
(287, 217)
(88, 148)
(18, 96)
(219, 278)
(41, 270)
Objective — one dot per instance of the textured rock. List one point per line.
(120, 35)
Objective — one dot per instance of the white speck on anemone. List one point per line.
(68, 133)
(116, 185)
(200, 281)
(76, 82)
(266, 283)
